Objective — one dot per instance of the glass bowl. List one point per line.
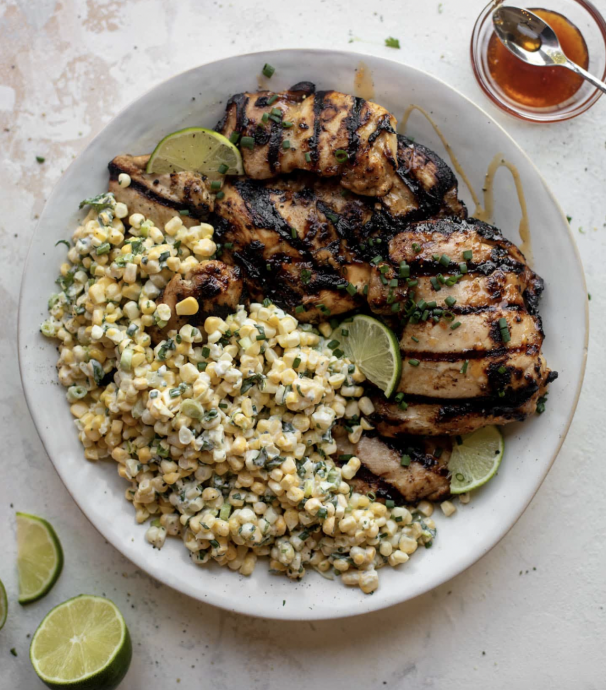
(593, 27)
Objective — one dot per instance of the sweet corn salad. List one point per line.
(224, 434)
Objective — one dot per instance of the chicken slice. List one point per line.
(382, 472)
(160, 197)
(325, 132)
(216, 287)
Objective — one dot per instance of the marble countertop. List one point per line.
(530, 613)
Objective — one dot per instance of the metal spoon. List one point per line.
(534, 41)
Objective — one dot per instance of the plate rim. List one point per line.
(304, 614)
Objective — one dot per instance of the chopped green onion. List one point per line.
(223, 168)
(502, 323)
(405, 460)
(341, 155)
(265, 117)
(299, 309)
(412, 337)
(296, 363)
(247, 142)
(414, 362)
(501, 370)
(184, 212)
(234, 137)
(287, 124)
(286, 144)
(308, 157)
(445, 260)
(450, 301)
(390, 504)
(464, 367)
(416, 247)
(272, 99)
(338, 353)
(202, 366)
(351, 289)
(268, 70)
(333, 344)
(277, 112)
(215, 185)
(103, 248)
(435, 285)
(220, 195)
(455, 325)
(463, 267)
(468, 255)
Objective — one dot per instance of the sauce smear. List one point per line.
(540, 87)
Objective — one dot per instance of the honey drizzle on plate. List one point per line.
(364, 86)
(482, 212)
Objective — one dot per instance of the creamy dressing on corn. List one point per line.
(224, 433)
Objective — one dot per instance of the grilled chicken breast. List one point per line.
(160, 197)
(382, 472)
(329, 133)
(217, 288)
(471, 349)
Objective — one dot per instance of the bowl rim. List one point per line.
(305, 614)
(520, 112)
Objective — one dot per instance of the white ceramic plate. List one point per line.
(530, 447)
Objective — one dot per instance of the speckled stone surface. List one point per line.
(531, 613)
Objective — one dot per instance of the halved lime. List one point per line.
(476, 459)
(3, 605)
(82, 644)
(197, 149)
(374, 348)
(39, 557)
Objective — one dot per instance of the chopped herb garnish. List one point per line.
(40, 159)
(455, 325)
(414, 362)
(308, 157)
(450, 301)
(286, 144)
(351, 289)
(268, 70)
(405, 460)
(392, 42)
(234, 137)
(272, 99)
(468, 255)
(464, 367)
(299, 309)
(445, 260)
(247, 142)
(463, 267)
(341, 155)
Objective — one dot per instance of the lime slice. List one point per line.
(39, 557)
(476, 459)
(197, 149)
(3, 605)
(82, 644)
(374, 349)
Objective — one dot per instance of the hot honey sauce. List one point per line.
(539, 87)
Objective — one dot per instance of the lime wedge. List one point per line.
(197, 149)
(82, 644)
(39, 557)
(3, 605)
(374, 349)
(476, 459)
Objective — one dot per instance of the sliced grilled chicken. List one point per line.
(325, 132)
(217, 288)
(382, 472)
(471, 349)
(160, 197)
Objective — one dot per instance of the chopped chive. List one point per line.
(223, 168)
(468, 255)
(414, 362)
(272, 99)
(434, 283)
(228, 245)
(377, 259)
(287, 124)
(384, 269)
(464, 367)
(405, 460)
(455, 325)
(220, 195)
(416, 340)
(403, 405)
(293, 233)
(421, 305)
(234, 137)
(300, 308)
(202, 366)
(425, 315)
(390, 504)
(501, 394)
(40, 159)
(277, 112)
(286, 144)
(393, 283)
(247, 142)
(441, 278)
(463, 267)
(333, 344)
(205, 351)
(308, 157)
(450, 301)
(215, 185)
(505, 335)
(435, 257)
(296, 363)
(416, 247)
(184, 212)
(412, 283)
(404, 270)
(268, 70)
(431, 305)
(502, 322)
(103, 248)
(265, 117)
(342, 286)
(351, 289)
(341, 155)
(445, 260)
(344, 332)
(399, 397)
(338, 353)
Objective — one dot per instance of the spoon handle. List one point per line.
(585, 74)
